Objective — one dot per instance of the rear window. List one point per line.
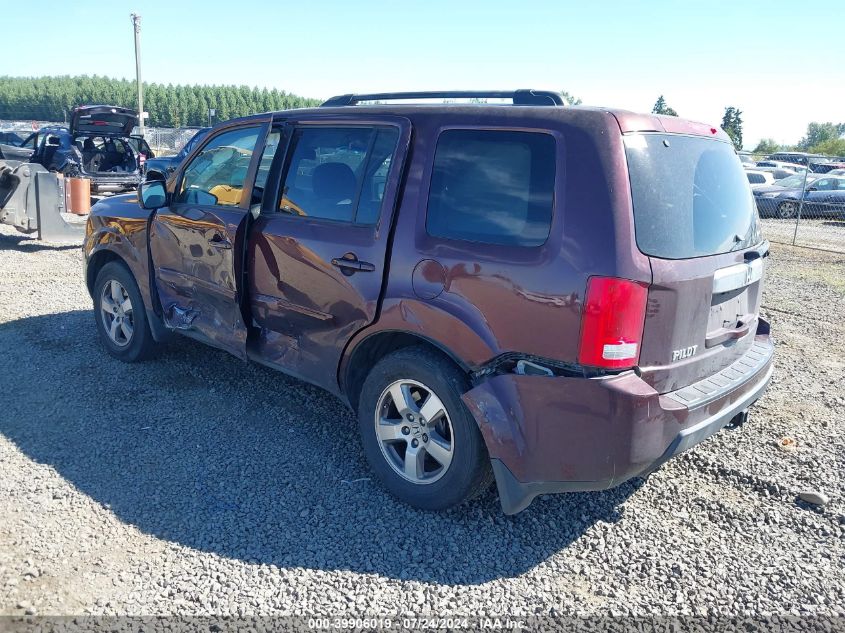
(493, 187)
(691, 197)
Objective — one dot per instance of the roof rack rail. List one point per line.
(519, 97)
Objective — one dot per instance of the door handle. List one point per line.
(218, 241)
(350, 264)
(724, 334)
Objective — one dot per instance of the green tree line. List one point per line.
(52, 99)
(821, 138)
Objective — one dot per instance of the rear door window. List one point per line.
(493, 187)
(338, 173)
(691, 197)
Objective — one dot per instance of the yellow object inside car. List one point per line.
(227, 194)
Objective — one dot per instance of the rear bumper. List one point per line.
(114, 184)
(559, 434)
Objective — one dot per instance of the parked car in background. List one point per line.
(778, 173)
(478, 282)
(776, 164)
(813, 161)
(21, 150)
(824, 196)
(142, 148)
(758, 177)
(160, 168)
(97, 144)
(837, 172)
(826, 168)
(747, 159)
(11, 138)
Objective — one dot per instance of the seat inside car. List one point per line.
(334, 187)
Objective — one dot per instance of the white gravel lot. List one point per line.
(197, 484)
(827, 233)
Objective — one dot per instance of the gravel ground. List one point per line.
(827, 233)
(136, 489)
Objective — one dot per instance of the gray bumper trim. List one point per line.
(691, 436)
(713, 387)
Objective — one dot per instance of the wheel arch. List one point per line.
(368, 351)
(96, 262)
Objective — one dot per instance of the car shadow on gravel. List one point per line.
(27, 244)
(203, 450)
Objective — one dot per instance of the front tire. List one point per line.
(120, 315)
(419, 438)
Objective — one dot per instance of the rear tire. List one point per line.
(427, 450)
(120, 314)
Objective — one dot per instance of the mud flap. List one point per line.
(33, 200)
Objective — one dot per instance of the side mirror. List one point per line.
(812, 189)
(152, 195)
(199, 197)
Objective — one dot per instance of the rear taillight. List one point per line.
(612, 323)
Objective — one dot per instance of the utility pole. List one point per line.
(136, 23)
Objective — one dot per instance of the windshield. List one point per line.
(691, 196)
(793, 182)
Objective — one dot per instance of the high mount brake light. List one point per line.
(612, 323)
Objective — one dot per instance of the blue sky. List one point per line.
(780, 62)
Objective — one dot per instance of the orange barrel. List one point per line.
(80, 195)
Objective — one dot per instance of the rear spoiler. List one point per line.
(630, 122)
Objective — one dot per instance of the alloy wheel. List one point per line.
(414, 431)
(788, 209)
(116, 313)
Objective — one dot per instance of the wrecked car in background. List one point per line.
(21, 150)
(98, 145)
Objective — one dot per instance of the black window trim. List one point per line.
(425, 194)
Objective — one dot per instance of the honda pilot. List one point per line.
(552, 298)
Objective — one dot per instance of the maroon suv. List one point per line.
(560, 298)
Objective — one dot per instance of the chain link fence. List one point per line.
(165, 141)
(800, 198)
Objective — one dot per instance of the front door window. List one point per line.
(216, 176)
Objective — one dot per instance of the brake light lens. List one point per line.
(612, 323)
